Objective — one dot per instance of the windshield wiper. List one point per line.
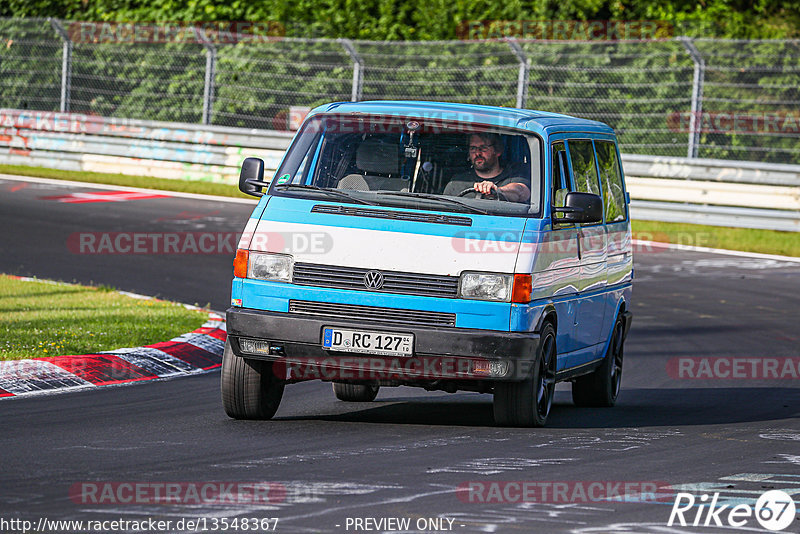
(332, 192)
(473, 209)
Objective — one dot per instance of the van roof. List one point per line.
(527, 119)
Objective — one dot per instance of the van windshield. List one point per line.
(414, 163)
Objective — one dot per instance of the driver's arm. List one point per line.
(514, 192)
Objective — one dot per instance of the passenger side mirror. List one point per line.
(580, 208)
(251, 177)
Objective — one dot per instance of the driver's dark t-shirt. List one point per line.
(466, 180)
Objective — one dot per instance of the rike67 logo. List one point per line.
(774, 510)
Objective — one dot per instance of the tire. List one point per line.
(250, 390)
(528, 402)
(601, 388)
(355, 392)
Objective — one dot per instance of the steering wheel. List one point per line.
(496, 193)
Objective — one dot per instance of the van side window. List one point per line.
(611, 180)
(584, 171)
(560, 176)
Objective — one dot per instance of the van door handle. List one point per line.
(578, 237)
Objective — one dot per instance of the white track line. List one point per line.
(689, 248)
(70, 183)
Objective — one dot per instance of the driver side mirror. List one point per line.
(251, 177)
(580, 208)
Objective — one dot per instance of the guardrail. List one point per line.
(714, 192)
(80, 142)
(705, 191)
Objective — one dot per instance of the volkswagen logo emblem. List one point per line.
(373, 279)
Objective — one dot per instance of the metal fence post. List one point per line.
(697, 94)
(358, 69)
(210, 77)
(208, 88)
(66, 64)
(522, 78)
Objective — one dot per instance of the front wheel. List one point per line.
(527, 403)
(355, 392)
(250, 388)
(601, 388)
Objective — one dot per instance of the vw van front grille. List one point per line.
(428, 285)
(372, 314)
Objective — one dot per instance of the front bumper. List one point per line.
(439, 353)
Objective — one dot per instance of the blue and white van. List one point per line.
(443, 246)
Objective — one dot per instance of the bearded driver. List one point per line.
(487, 175)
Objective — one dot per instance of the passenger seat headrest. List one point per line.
(376, 157)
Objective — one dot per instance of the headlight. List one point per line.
(485, 286)
(274, 267)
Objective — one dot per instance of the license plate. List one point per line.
(360, 341)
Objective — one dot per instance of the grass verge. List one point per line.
(40, 318)
(124, 180)
(697, 235)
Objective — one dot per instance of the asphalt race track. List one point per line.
(406, 454)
